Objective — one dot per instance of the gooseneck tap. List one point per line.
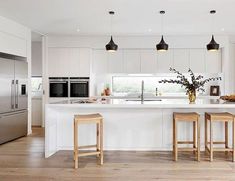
(142, 92)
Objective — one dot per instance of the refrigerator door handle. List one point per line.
(12, 94)
(17, 94)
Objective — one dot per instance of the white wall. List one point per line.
(16, 39)
(36, 58)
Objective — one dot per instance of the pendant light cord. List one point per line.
(162, 24)
(111, 24)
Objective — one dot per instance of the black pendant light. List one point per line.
(213, 45)
(111, 46)
(162, 45)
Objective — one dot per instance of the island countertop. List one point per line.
(148, 103)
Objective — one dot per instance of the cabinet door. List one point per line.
(148, 61)
(12, 45)
(115, 62)
(164, 61)
(197, 60)
(58, 62)
(99, 62)
(85, 62)
(213, 61)
(181, 60)
(131, 61)
(36, 112)
(74, 62)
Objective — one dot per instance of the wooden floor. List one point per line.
(23, 160)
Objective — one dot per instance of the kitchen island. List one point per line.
(128, 124)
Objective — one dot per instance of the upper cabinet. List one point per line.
(148, 61)
(58, 62)
(131, 61)
(115, 62)
(164, 61)
(99, 62)
(69, 62)
(80, 62)
(197, 60)
(13, 45)
(213, 61)
(181, 60)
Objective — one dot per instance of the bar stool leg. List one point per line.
(101, 143)
(226, 136)
(97, 138)
(233, 144)
(211, 141)
(206, 133)
(198, 140)
(194, 136)
(175, 142)
(76, 145)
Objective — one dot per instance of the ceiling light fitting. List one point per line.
(111, 46)
(162, 45)
(213, 45)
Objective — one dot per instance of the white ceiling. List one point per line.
(133, 17)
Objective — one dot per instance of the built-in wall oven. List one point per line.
(59, 86)
(79, 86)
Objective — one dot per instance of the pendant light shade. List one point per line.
(111, 46)
(212, 46)
(162, 46)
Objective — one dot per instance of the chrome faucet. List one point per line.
(142, 92)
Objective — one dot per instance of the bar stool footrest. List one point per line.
(187, 149)
(88, 153)
(87, 146)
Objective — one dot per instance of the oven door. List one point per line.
(59, 89)
(79, 89)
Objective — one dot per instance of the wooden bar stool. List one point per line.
(188, 117)
(87, 119)
(223, 117)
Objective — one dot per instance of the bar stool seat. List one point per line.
(219, 117)
(188, 117)
(87, 119)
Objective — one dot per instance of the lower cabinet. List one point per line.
(36, 112)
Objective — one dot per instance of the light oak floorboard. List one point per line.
(23, 160)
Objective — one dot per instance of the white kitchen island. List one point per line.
(128, 125)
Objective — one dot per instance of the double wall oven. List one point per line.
(64, 87)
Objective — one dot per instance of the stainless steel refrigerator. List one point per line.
(13, 98)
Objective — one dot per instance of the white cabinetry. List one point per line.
(69, 62)
(164, 61)
(197, 60)
(213, 61)
(80, 62)
(115, 62)
(148, 61)
(100, 62)
(12, 45)
(58, 62)
(181, 60)
(131, 61)
(36, 112)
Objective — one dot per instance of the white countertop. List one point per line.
(158, 103)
